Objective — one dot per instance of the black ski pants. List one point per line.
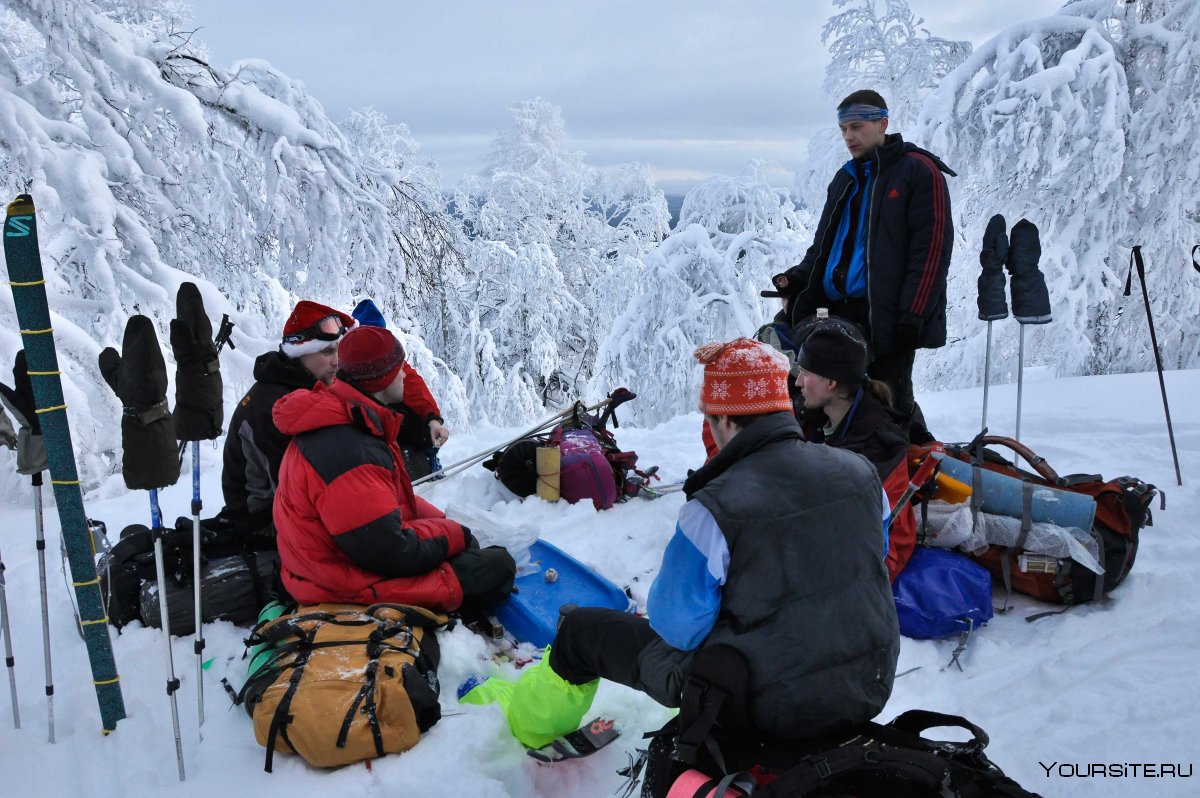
(895, 369)
(608, 644)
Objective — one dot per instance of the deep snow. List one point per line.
(1102, 684)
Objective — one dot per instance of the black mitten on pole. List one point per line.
(198, 409)
(992, 304)
(1030, 299)
(139, 379)
(31, 448)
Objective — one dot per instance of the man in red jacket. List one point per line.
(350, 528)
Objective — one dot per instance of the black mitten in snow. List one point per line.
(198, 410)
(139, 379)
(1030, 299)
(31, 448)
(992, 304)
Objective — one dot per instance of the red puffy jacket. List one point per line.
(350, 528)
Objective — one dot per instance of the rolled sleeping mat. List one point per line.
(1001, 494)
(259, 654)
(549, 464)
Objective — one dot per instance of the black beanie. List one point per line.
(834, 350)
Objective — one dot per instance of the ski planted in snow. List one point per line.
(28, 283)
(584, 741)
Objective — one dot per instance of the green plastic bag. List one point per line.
(540, 706)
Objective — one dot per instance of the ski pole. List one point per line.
(462, 465)
(41, 550)
(198, 645)
(987, 373)
(1135, 261)
(1020, 381)
(8, 654)
(161, 573)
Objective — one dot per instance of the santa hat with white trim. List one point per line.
(302, 333)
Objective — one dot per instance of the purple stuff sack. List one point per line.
(584, 471)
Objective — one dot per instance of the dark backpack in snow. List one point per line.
(236, 582)
(710, 746)
(591, 464)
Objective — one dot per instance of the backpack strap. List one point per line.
(282, 716)
(1022, 538)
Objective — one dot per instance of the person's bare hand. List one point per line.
(439, 432)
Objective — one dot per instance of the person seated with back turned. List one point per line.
(843, 407)
(423, 430)
(777, 553)
(350, 528)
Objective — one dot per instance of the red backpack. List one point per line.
(1122, 509)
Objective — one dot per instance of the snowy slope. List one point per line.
(1110, 684)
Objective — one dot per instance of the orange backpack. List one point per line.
(1122, 509)
(344, 683)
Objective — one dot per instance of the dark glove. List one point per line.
(905, 338)
(198, 388)
(139, 379)
(31, 448)
(469, 541)
(1027, 285)
(992, 304)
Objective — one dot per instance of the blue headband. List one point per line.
(861, 112)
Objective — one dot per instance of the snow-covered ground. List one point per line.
(1097, 684)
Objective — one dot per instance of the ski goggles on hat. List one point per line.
(861, 112)
(329, 328)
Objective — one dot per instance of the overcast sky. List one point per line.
(691, 87)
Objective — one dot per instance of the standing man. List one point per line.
(351, 530)
(254, 446)
(882, 250)
(777, 553)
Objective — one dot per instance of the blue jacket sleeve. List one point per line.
(887, 521)
(686, 595)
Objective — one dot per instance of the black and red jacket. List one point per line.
(349, 527)
(910, 236)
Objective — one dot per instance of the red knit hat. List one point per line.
(370, 357)
(302, 334)
(743, 378)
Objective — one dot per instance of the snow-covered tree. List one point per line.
(1084, 123)
(554, 246)
(150, 167)
(880, 45)
(701, 284)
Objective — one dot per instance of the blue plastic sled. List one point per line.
(531, 615)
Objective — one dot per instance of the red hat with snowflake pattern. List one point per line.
(743, 378)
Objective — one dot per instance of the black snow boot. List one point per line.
(198, 408)
(139, 379)
(1030, 299)
(992, 304)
